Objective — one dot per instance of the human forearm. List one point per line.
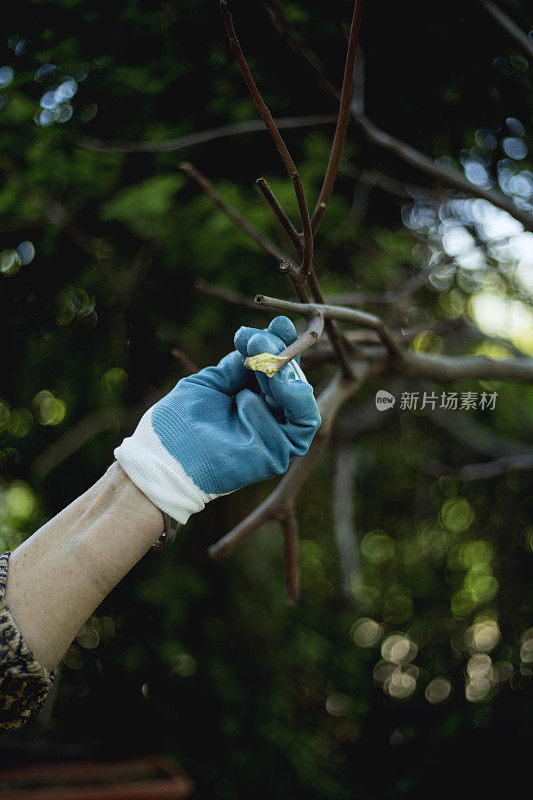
(61, 574)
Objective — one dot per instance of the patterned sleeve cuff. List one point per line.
(24, 683)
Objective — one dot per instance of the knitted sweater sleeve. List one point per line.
(24, 683)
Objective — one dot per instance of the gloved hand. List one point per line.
(223, 428)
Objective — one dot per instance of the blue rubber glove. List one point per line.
(223, 428)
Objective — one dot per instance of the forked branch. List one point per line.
(266, 116)
(240, 221)
(448, 176)
(342, 121)
(277, 504)
(360, 318)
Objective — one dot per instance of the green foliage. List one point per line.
(144, 207)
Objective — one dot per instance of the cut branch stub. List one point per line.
(354, 316)
(270, 363)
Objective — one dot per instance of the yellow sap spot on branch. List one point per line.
(265, 362)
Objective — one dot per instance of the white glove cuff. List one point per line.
(158, 475)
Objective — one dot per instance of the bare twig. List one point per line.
(508, 26)
(182, 356)
(444, 369)
(342, 122)
(286, 265)
(225, 294)
(81, 432)
(286, 224)
(237, 218)
(482, 471)
(22, 223)
(466, 430)
(445, 175)
(354, 316)
(266, 116)
(275, 506)
(201, 137)
(300, 47)
(270, 364)
(337, 339)
(439, 172)
(297, 276)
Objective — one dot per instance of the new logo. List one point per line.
(384, 400)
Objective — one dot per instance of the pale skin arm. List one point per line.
(60, 575)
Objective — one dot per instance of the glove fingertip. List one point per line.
(241, 339)
(283, 328)
(261, 342)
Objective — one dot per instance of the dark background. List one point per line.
(206, 661)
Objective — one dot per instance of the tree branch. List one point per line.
(404, 152)
(300, 47)
(342, 121)
(276, 504)
(286, 224)
(225, 294)
(286, 265)
(266, 116)
(354, 316)
(270, 364)
(508, 26)
(482, 471)
(444, 369)
(201, 137)
(443, 174)
(466, 430)
(242, 223)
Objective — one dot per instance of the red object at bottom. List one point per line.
(149, 778)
